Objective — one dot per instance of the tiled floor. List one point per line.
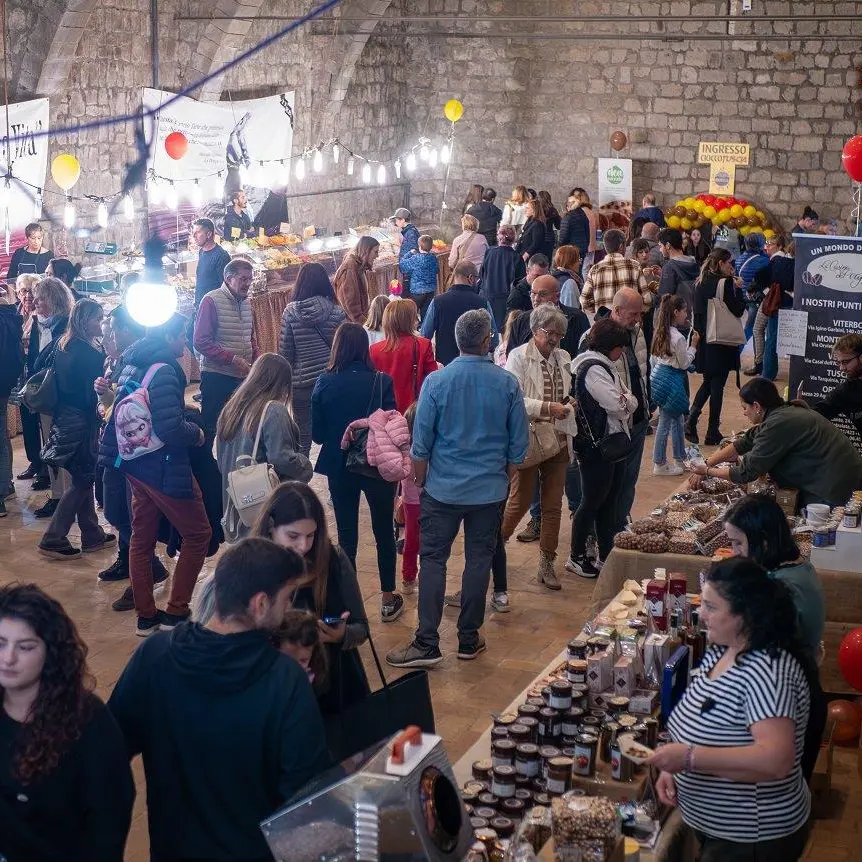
(519, 644)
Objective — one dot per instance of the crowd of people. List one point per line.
(536, 376)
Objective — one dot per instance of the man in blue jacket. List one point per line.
(748, 265)
(650, 211)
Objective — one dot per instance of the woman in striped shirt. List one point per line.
(734, 767)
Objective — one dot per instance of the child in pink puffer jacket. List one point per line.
(388, 447)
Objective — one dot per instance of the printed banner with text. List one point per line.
(615, 191)
(828, 286)
(29, 160)
(232, 138)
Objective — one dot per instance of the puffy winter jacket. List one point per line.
(11, 349)
(388, 445)
(307, 332)
(168, 469)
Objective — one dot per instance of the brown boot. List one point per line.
(546, 575)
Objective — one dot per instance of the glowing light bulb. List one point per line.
(150, 304)
(218, 187)
(155, 193)
(284, 172)
(37, 205)
(350, 165)
(197, 195)
(317, 162)
(381, 175)
(172, 199)
(398, 169)
(410, 162)
(102, 214)
(432, 159)
(69, 216)
(300, 168)
(445, 154)
(424, 152)
(243, 173)
(128, 208)
(5, 193)
(336, 153)
(366, 173)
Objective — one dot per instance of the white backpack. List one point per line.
(248, 486)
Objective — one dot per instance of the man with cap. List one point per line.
(403, 219)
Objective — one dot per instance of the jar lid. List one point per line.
(528, 749)
(503, 826)
(621, 700)
(611, 726)
(503, 745)
(478, 823)
(519, 730)
(561, 763)
(585, 739)
(547, 712)
(483, 765)
(548, 751)
(528, 709)
(504, 771)
(573, 712)
(591, 721)
(522, 796)
(528, 722)
(561, 686)
(485, 811)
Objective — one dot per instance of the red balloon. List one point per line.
(721, 204)
(176, 145)
(847, 718)
(851, 158)
(850, 658)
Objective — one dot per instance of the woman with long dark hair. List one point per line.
(73, 440)
(307, 329)
(713, 361)
(351, 389)
(734, 766)
(351, 279)
(259, 411)
(537, 236)
(66, 271)
(66, 789)
(552, 214)
(293, 517)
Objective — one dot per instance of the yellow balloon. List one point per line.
(673, 221)
(688, 203)
(698, 206)
(723, 216)
(453, 110)
(761, 215)
(769, 233)
(749, 211)
(66, 170)
(736, 211)
(709, 212)
(686, 224)
(756, 229)
(745, 231)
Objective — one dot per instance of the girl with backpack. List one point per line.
(72, 442)
(672, 355)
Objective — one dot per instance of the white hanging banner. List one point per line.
(28, 157)
(615, 191)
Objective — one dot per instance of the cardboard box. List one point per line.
(600, 672)
(599, 700)
(624, 676)
(656, 654)
(643, 701)
(787, 498)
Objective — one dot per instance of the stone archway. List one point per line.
(64, 46)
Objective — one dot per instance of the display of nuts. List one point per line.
(627, 541)
(654, 543)
(676, 519)
(674, 505)
(714, 485)
(647, 525)
(682, 543)
(706, 512)
(709, 531)
(720, 541)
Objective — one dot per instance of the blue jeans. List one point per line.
(5, 447)
(573, 491)
(750, 317)
(630, 470)
(669, 425)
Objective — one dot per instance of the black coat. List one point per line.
(519, 297)
(578, 324)
(489, 217)
(536, 238)
(575, 230)
(39, 359)
(11, 350)
(501, 268)
(715, 359)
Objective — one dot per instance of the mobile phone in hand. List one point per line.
(334, 621)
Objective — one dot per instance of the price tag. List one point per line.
(792, 332)
(284, 227)
(235, 233)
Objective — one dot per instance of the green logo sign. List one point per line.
(615, 175)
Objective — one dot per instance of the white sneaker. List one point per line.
(669, 469)
(500, 603)
(592, 547)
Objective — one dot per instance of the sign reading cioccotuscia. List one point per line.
(828, 286)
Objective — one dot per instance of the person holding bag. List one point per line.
(469, 245)
(543, 373)
(604, 411)
(672, 356)
(351, 389)
(255, 428)
(714, 360)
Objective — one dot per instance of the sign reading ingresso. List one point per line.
(711, 152)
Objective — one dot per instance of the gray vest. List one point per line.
(234, 331)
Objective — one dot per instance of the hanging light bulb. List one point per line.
(350, 165)
(69, 215)
(381, 175)
(243, 173)
(37, 205)
(102, 214)
(284, 172)
(197, 195)
(218, 187)
(317, 162)
(300, 168)
(128, 208)
(366, 173)
(410, 163)
(432, 159)
(424, 153)
(398, 169)
(155, 194)
(5, 193)
(172, 199)
(336, 153)
(445, 154)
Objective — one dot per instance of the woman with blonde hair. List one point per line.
(405, 356)
(583, 202)
(575, 226)
(514, 214)
(351, 279)
(469, 245)
(293, 517)
(374, 323)
(567, 270)
(73, 438)
(258, 413)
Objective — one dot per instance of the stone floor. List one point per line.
(520, 643)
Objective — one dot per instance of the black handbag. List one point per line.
(357, 449)
(382, 714)
(612, 447)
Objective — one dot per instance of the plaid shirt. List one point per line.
(608, 276)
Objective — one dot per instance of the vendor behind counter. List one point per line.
(797, 447)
